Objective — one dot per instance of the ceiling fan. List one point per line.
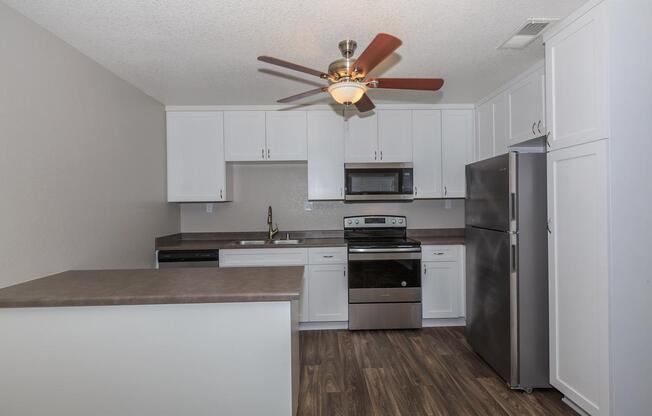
(347, 76)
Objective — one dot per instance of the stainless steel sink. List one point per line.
(251, 242)
(287, 242)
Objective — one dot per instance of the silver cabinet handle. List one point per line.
(381, 155)
(548, 139)
(415, 191)
(262, 153)
(539, 126)
(548, 226)
(328, 257)
(341, 193)
(221, 194)
(438, 253)
(268, 153)
(533, 125)
(375, 155)
(445, 191)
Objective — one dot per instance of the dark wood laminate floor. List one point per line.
(432, 371)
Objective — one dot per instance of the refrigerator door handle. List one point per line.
(513, 311)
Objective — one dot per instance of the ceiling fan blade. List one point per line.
(303, 94)
(290, 65)
(364, 104)
(380, 48)
(428, 84)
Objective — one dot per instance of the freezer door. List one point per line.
(489, 202)
(488, 299)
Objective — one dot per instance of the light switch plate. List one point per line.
(307, 206)
(448, 204)
(209, 208)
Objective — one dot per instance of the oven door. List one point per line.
(383, 275)
(378, 181)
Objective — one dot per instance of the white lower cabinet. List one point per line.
(327, 293)
(324, 292)
(442, 282)
(578, 274)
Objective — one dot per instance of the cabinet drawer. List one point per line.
(440, 253)
(263, 257)
(327, 255)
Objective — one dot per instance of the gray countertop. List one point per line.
(330, 238)
(152, 286)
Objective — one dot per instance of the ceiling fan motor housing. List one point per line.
(343, 67)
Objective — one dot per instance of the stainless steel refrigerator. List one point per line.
(507, 266)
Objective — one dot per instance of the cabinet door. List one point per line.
(485, 133)
(395, 135)
(195, 156)
(426, 131)
(576, 84)
(457, 132)
(500, 124)
(244, 136)
(286, 135)
(578, 279)
(361, 144)
(325, 155)
(304, 305)
(440, 288)
(328, 293)
(525, 109)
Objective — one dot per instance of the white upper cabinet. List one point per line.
(500, 124)
(576, 88)
(325, 155)
(251, 136)
(457, 150)
(395, 135)
(578, 274)
(361, 143)
(525, 101)
(244, 136)
(485, 122)
(426, 136)
(286, 135)
(196, 171)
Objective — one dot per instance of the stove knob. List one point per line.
(400, 220)
(403, 283)
(393, 221)
(349, 221)
(357, 221)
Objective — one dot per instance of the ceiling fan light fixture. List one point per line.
(347, 92)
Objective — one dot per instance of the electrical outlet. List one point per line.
(307, 206)
(448, 204)
(209, 208)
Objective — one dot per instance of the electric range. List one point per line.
(384, 273)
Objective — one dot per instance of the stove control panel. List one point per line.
(375, 221)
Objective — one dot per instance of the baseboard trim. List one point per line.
(430, 323)
(573, 406)
(427, 323)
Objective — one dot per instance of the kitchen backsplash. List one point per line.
(285, 188)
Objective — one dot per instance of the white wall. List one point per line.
(285, 188)
(82, 160)
(631, 202)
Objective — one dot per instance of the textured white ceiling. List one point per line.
(204, 51)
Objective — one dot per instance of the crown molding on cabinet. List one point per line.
(559, 26)
(315, 107)
(534, 68)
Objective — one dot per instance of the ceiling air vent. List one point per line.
(527, 32)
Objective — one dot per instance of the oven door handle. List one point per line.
(386, 250)
(384, 256)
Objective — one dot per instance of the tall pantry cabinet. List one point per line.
(577, 121)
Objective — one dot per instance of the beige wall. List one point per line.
(82, 160)
(285, 188)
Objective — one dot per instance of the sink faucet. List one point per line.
(272, 230)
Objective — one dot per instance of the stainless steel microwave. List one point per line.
(378, 182)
